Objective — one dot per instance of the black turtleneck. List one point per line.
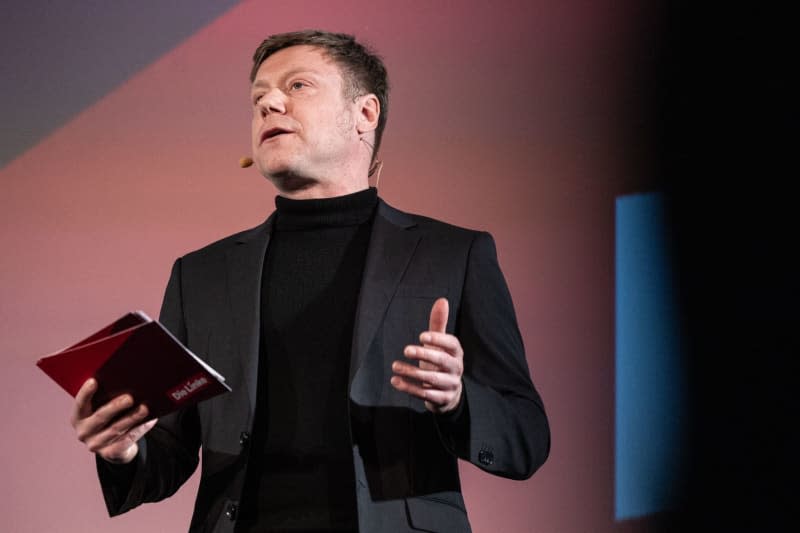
(311, 279)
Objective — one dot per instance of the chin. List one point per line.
(272, 169)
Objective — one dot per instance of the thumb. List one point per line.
(439, 313)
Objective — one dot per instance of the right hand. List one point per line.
(109, 431)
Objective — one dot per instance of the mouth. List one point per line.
(272, 133)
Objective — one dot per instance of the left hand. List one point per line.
(437, 379)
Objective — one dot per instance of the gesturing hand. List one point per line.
(109, 431)
(437, 379)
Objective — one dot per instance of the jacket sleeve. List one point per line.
(168, 453)
(500, 425)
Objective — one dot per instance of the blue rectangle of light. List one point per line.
(650, 378)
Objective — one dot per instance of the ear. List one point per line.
(369, 109)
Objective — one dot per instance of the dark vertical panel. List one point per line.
(728, 126)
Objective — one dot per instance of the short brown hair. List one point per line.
(363, 70)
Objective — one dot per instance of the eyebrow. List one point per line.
(259, 83)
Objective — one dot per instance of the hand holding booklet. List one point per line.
(138, 356)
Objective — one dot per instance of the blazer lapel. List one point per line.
(245, 263)
(391, 246)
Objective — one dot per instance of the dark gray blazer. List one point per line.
(405, 457)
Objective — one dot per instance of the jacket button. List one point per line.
(230, 511)
(485, 457)
(243, 438)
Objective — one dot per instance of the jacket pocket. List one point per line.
(441, 512)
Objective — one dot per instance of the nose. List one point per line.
(273, 101)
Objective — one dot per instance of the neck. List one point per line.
(302, 188)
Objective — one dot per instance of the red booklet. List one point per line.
(136, 355)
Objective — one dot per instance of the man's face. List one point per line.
(303, 125)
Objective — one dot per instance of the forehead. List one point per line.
(300, 58)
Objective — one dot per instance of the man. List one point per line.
(367, 348)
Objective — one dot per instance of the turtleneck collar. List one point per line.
(348, 210)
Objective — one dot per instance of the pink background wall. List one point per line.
(511, 119)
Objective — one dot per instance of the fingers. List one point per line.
(108, 423)
(83, 401)
(125, 449)
(442, 341)
(139, 431)
(112, 430)
(439, 312)
(437, 379)
(99, 419)
(444, 361)
(122, 429)
(434, 379)
(435, 399)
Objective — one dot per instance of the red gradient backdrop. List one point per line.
(508, 118)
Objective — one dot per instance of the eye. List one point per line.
(297, 85)
(257, 98)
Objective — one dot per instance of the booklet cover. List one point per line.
(138, 356)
